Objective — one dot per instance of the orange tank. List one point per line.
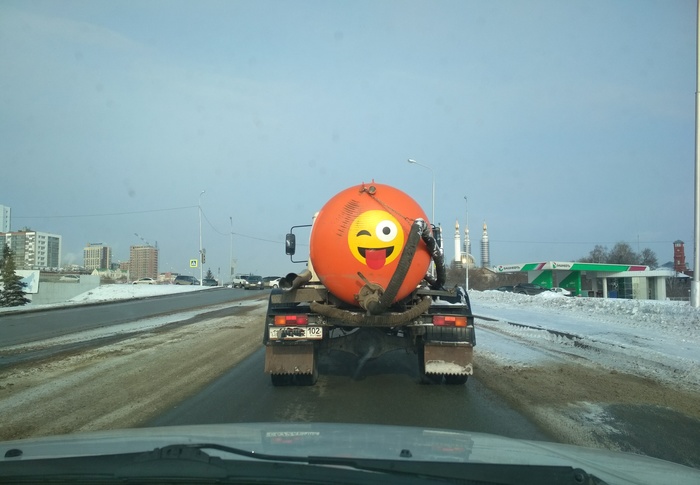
(363, 229)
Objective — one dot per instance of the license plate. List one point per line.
(296, 333)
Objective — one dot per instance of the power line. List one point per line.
(109, 214)
(237, 233)
(106, 214)
(578, 242)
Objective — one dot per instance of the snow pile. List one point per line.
(663, 316)
(125, 292)
(657, 339)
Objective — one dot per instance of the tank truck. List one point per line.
(367, 290)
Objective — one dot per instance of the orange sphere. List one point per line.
(363, 229)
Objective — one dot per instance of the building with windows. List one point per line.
(5, 214)
(97, 256)
(34, 249)
(679, 264)
(143, 262)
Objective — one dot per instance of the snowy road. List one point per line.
(613, 374)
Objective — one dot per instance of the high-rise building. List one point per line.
(485, 258)
(97, 256)
(5, 218)
(34, 249)
(143, 262)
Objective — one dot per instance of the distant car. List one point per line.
(271, 281)
(239, 281)
(144, 281)
(529, 289)
(254, 282)
(562, 291)
(505, 288)
(185, 280)
(70, 277)
(210, 282)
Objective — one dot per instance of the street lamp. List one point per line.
(201, 269)
(465, 263)
(466, 247)
(230, 255)
(432, 217)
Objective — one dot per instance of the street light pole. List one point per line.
(201, 269)
(230, 256)
(466, 247)
(432, 216)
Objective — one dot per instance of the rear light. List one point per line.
(281, 320)
(449, 321)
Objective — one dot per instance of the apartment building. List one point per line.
(97, 256)
(5, 218)
(143, 262)
(34, 249)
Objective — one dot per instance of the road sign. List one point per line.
(193, 263)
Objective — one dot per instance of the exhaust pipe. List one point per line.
(293, 281)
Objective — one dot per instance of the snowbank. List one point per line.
(655, 339)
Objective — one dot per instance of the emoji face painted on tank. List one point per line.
(375, 238)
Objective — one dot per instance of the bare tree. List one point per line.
(649, 258)
(599, 254)
(622, 253)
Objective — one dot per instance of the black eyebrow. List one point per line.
(363, 232)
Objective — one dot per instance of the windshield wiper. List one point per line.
(462, 471)
(192, 462)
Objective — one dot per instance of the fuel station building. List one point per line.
(607, 280)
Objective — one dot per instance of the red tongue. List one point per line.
(375, 258)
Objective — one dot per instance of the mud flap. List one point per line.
(448, 359)
(290, 359)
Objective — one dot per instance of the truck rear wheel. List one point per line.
(426, 378)
(455, 380)
(307, 379)
(281, 379)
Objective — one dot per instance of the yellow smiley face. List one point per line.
(375, 238)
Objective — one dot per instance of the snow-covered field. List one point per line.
(656, 339)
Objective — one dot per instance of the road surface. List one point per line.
(210, 370)
(22, 327)
(386, 392)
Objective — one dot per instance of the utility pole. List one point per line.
(201, 251)
(230, 255)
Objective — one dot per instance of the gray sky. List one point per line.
(566, 124)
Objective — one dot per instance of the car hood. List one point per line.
(358, 441)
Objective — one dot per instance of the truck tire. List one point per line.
(429, 379)
(456, 380)
(307, 379)
(279, 380)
